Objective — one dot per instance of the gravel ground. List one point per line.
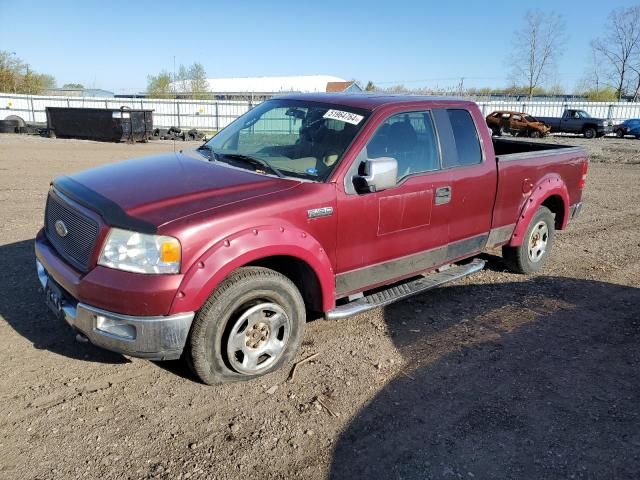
(496, 376)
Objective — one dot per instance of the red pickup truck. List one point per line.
(307, 203)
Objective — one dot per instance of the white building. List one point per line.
(264, 87)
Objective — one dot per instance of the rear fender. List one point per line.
(248, 246)
(548, 186)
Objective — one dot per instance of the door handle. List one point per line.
(443, 195)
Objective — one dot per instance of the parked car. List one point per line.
(579, 121)
(628, 127)
(516, 123)
(306, 203)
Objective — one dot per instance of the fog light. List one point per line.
(115, 327)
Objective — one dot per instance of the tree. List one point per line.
(198, 78)
(159, 86)
(370, 87)
(18, 77)
(182, 79)
(536, 48)
(73, 86)
(620, 46)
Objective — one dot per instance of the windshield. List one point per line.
(583, 114)
(530, 119)
(299, 138)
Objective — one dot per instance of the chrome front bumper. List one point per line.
(155, 338)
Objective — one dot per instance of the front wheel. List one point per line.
(536, 246)
(534, 134)
(251, 325)
(619, 133)
(590, 132)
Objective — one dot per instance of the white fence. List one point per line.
(613, 111)
(203, 114)
(216, 114)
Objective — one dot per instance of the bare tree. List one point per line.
(620, 45)
(635, 68)
(536, 47)
(594, 79)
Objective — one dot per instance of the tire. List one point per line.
(534, 134)
(21, 122)
(589, 132)
(8, 126)
(503, 131)
(495, 132)
(219, 349)
(619, 133)
(531, 256)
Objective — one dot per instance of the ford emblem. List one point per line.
(61, 228)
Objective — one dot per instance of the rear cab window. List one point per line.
(465, 137)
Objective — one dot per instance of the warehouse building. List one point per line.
(261, 88)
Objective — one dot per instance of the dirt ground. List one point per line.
(496, 376)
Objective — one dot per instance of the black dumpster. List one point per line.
(107, 124)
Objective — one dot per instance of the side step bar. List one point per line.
(398, 292)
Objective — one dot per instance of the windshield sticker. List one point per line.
(348, 117)
(312, 171)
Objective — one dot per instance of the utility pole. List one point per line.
(461, 86)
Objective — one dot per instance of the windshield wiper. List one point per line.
(251, 160)
(214, 155)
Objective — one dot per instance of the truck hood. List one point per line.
(160, 189)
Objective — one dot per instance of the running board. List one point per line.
(398, 292)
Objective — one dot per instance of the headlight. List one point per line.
(140, 253)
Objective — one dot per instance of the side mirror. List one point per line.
(379, 174)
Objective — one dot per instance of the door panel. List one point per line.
(405, 211)
(473, 178)
(376, 231)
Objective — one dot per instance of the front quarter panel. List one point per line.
(245, 247)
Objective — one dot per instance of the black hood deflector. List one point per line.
(110, 211)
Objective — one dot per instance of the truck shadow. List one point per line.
(22, 307)
(535, 378)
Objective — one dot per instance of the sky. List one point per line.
(419, 43)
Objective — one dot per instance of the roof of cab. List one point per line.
(371, 101)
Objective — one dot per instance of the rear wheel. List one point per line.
(251, 325)
(536, 247)
(589, 132)
(619, 133)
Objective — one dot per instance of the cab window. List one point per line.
(466, 138)
(409, 138)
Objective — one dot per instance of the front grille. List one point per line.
(76, 247)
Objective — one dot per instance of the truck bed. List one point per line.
(515, 149)
(522, 165)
